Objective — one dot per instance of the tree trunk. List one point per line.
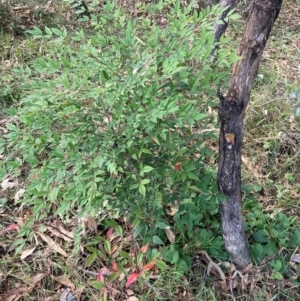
(231, 111)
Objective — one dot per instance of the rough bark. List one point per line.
(232, 109)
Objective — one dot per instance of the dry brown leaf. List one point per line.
(104, 271)
(13, 297)
(242, 280)
(131, 298)
(20, 222)
(82, 222)
(144, 248)
(172, 210)
(121, 277)
(247, 268)
(62, 233)
(91, 223)
(211, 265)
(129, 292)
(52, 244)
(8, 183)
(19, 194)
(170, 235)
(26, 253)
(214, 268)
(295, 258)
(37, 278)
(55, 297)
(64, 280)
(251, 168)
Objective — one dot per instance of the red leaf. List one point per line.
(131, 279)
(12, 227)
(9, 228)
(109, 232)
(144, 248)
(100, 277)
(149, 266)
(114, 266)
(177, 166)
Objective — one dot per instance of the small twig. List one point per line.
(151, 286)
(262, 105)
(57, 229)
(90, 272)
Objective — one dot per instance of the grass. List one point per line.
(271, 159)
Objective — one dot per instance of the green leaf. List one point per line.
(161, 265)
(98, 285)
(201, 116)
(260, 235)
(157, 240)
(271, 248)
(91, 259)
(32, 159)
(193, 176)
(114, 276)
(142, 189)
(58, 154)
(134, 186)
(277, 276)
(48, 30)
(107, 247)
(234, 17)
(57, 32)
(195, 188)
(294, 240)
(145, 181)
(147, 169)
(276, 264)
(162, 225)
(258, 252)
(52, 195)
(36, 31)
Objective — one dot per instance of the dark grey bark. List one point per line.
(231, 111)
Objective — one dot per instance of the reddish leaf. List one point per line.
(9, 228)
(131, 279)
(12, 227)
(149, 266)
(114, 266)
(109, 232)
(100, 277)
(104, 271)
(177, 166)
(144, 248)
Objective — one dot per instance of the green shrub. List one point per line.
(116, 120)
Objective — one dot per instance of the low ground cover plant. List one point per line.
(120, 117)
